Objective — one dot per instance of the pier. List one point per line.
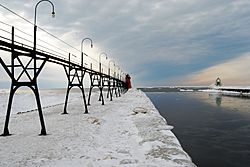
(27, 62)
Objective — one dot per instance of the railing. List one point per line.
(75, 72)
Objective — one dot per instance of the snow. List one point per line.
(186, 90)
(230, 87)
(229, 90)
(24, 99)
(128, 131)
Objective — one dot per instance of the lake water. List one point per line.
(214, 130)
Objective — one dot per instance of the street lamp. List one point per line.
(35, 26)
(91, 44)
(117, 71)
(100, 55)
(109, 65)
(121, 75)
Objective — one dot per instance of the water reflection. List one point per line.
(213, 129)
(234, 103)
(218, 100)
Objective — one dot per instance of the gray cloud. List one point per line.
(190, 35)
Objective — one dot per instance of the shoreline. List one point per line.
(129, 131)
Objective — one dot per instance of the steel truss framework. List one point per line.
(75, 77)
(96, 81)
(26, 64)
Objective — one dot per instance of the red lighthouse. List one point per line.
(128, 81)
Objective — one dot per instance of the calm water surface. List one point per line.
(213, 129)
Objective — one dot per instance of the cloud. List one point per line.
(232, 72)
(154, 40)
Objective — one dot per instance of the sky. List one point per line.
(158, 42)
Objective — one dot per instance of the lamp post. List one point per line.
(109, 65)
(100, 63)
(91, 44)
(118, 72)
(115, 70)
(35, 26)
(121, 75)
(118, 82)
(33, 82)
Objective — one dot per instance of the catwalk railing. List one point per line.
(26, 63)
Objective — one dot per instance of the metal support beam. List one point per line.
(96, 81)
(108, 84)
(25, 78)
(75, 77)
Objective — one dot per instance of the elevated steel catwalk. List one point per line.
(31, 70)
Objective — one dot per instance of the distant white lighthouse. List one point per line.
(218, 82)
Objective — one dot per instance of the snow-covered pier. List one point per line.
(234, 89)
(129, 132)
(229, 90)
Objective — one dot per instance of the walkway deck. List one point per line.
(129, 132)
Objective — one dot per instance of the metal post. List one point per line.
(34, 49)
(66, 101)
(68, 87)
(39, 107)
(91, 86)
(12, 52)
(6, 125)
(84, 100)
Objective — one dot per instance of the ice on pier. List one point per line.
(127, 131)
(229, 90)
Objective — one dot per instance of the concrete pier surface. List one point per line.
(127, 131)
